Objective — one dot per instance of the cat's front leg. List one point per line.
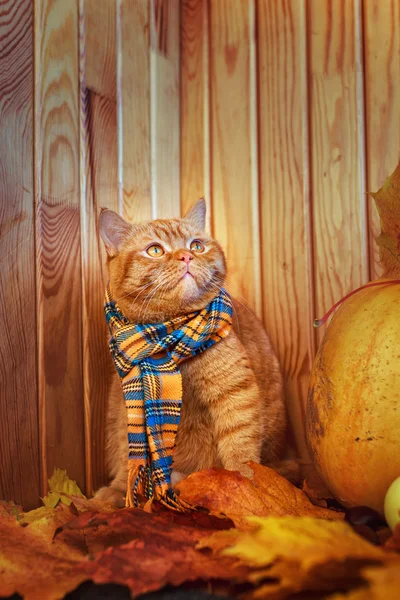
(238, 425)
(115, 492)
(176, 477)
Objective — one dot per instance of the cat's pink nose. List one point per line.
(185, 256)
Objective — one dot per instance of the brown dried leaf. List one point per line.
(103, 530)
(315, 489)
(161, 553)
(131, 547)
(267, 494)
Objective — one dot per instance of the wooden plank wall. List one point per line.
(281, 113)
(90, 119)
(19, 433)
(289, 114)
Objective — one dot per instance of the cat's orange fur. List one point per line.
(232, 407)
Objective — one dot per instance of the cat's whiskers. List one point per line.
(141, 292)
(162, 296)
(168, 277)
(141, 288)
(149, 298)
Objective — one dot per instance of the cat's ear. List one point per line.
(113, 230)
(197, 215)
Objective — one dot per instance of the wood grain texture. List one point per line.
(99, 167)
(340, 245)
(19, 435)
(382, 99)
(234, 186)
(194, 105)
(134, 109)
(288, 297)
(164, 111)
(59, 293)
(100, 46)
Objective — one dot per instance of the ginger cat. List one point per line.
(232, 406)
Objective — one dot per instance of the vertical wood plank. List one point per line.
(340, 240)
(234, 186)
(19, 436)
(100, 47)
(99, 189)
(164, 111)
(284, 180)
(194, 105)
(59, 293)
(134, 109)
(382, 99)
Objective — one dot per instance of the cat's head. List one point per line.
(163, 268)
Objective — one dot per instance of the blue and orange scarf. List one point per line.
(147, 358)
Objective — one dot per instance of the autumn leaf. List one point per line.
(141, 550)
(299, 554)
(230, 493)
(315, 489)
(149, 551)
(10, 509)
(388, 205)
(63, 491)
(302, 539)
(49, 552)
(61, 487)
(31, 567)
(379, 584)
(82, 504)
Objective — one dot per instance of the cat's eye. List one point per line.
(155, 251)
(197, 246)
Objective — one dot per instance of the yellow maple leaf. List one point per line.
(299, 554)
(61, 486)
(303, 539)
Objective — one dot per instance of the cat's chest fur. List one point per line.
(212, 372)
(208, 380)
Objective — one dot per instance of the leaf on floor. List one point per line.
(304, 554)
(267, 494)
(298, 548)
(61, 486)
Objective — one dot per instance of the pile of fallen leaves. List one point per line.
(259, 538)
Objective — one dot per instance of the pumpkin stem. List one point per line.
(319, 322)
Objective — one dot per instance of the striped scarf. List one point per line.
(147, 360)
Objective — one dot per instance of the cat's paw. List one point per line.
(111, 495)
(246, 471)
(176, 477)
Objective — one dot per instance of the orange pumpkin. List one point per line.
(353, 413)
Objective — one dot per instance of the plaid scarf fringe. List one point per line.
(147, 358)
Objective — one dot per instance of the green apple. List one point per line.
(392, 504)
